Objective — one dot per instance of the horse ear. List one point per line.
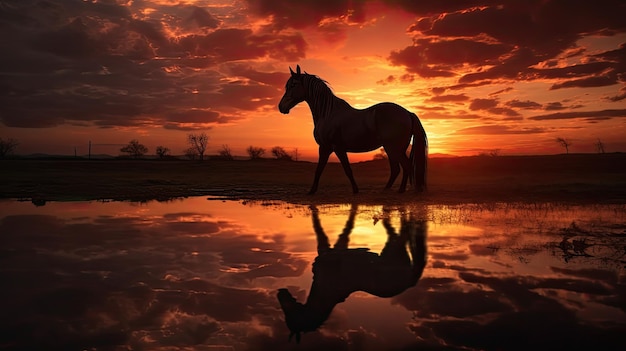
(291, 71)
(298, 69)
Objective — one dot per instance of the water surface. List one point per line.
(204, 274)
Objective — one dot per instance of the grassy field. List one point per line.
(580, 178)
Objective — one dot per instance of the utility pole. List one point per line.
(89, 155)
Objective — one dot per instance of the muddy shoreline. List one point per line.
(560, 178)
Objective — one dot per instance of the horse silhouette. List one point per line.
(340, 128)
(340, 271)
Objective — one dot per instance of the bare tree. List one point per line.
(191, 153)
(199, 143)
(225, 153)
(565, 143)
(162, 151)
(255, 152)
(600, 146)
(135, 149)
(490, 153)
(281, 154)
(7, 146)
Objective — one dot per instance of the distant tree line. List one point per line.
(197, 146)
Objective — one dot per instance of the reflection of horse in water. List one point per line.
(339, 271)
(340, 128)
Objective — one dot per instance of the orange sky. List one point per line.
(481, 75)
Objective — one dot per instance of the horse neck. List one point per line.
(320, 303)
(321, 99)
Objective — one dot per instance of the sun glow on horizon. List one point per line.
(168, 68)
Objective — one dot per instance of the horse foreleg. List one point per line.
(343, 157)
(324, 154)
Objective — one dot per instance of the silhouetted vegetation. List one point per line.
(162, 151)
(135, 149)
(565, 143)
(198, 142)
(191, 153)
(254, 152)
(490, 153)
(600, 146)
(225, 153)
(281, 154)
(7, 147)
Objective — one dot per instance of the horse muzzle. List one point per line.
(285, 105)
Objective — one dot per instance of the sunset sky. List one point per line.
(481, 75)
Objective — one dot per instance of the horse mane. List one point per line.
(321, 96)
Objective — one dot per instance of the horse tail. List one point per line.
(419, 154)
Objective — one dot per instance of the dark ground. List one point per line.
(575, 178)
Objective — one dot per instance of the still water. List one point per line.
(205, 274)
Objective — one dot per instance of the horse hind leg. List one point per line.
(406, 170)
(417, 242)
(394, 168)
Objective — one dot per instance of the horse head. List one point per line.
(295, 91)
(297, 317)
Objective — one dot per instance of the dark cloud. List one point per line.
(97, 63)
(194, 116)
(526, 105)
(621, 96)
(588, 82)
(275, 79)
(554, 106)
(449, 98)
(504, 111)
(501, 91)
(434, 114)
(508, 40)
(439, 58)
(499, 130)
(450, 302)
(483, 104)
(305, 13)
(405, 78)
(203, 18)
(581, 114)
(497, 309)
(428, 8)
(232, 44)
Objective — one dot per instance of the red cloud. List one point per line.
(432, 58)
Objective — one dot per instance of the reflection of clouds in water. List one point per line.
(158, 276)
(465, 306)
(530, 316)
(79, 284)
